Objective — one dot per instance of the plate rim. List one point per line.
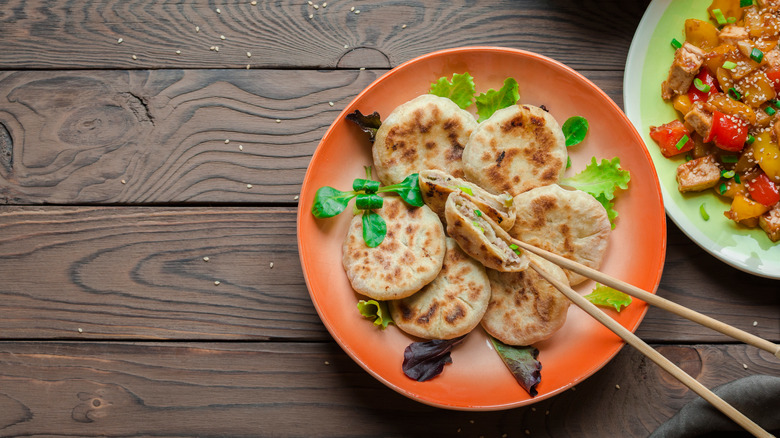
(632, 80)
(619, 343)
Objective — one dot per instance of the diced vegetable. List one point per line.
(743, 208)
(763, 190)
(728, 8)
(773, 74)
(704, 77)
(728, 132)
(767, 154)
(667, 136)
(701, 34)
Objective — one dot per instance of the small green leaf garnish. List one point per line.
(601, 180)
(492, 101)
(574, 130)
(365, 185)
(369, 201)
(376, 311)
(523, 364)
(374, 228)
(329, 202)
(408, 190)
(460, 89)
(608, 297)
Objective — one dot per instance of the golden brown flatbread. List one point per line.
(570, 223)
(410, 256)
(479, 236)
(451, 305)
(428, 132)
(524, 308)
(436, 186)
(518, 148)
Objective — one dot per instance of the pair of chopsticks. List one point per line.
(639, 344)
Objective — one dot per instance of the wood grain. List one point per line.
(304, 389)
(74, 137)
(84, 34)
(139, 273)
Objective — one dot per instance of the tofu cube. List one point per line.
(698, 174)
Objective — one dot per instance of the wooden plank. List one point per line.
(139, 137)
(139, 273)
(81, 34)
(304, 389)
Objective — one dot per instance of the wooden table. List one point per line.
(128, 144)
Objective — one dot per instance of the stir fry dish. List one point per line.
(724, 83)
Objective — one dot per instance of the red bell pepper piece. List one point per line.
(773, 74)
(728, 132)
(669, 135)
(763, 190)
(708, 79)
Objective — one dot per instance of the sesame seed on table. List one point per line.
(151, 276)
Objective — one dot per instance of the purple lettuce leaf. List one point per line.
(425, 360)
(368, 123)
(522, 362)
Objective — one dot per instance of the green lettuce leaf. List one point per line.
(492, 101)
(601, 180)
(376, 311)
(522, 362)
(460, 89)
(606, 296)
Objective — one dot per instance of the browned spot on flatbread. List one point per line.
(456, 314)
(539, 208)
(426, 318)
(513, 123)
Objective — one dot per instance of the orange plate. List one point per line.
(477, 379)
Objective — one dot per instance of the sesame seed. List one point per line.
(357, 11)
(617, 386)
(362, 68)
(527, 432)
(533, 409)
(206, 259)
(327, 363)
(218, 11)
(403, 26)
(80, 330)
(222, 37)
(331, 103)
(296, 197)
(227, 140)
(310, 3)
(249, 186)
(178, 52)
(248, 54)
(311, 16)
(352, 9)
(744, 365)
(119, 41)
(458, 430)
(316, 6)
(546, 412)
(471, 421)
(253, 3)
(755, 323)
(124, 182)
(197, 28)
(247, 66)
(324, 4)
(134, 57)
(216, 283)
(240, 147)
(573, 388)
(216, 48)
(503, 436)
(278, 121)
(212, 48)
(271, 265)
(346, 46)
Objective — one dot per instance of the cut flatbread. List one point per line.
(480, 237)
(436, 186)
(518, 148)
(570, 223)
(410, 256)
(428, 132)
(524, 308)
(451, 305)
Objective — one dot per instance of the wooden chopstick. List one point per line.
(649, 298)
(652, 354)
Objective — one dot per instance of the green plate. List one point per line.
(647, 66)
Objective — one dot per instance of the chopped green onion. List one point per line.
(515, 248)
(775, 102)
(750, 139)
(728, 65)
(466, 190)
(732, 20)
(476, 224)
(568, 162)
(745, 3)
(722, 188)
(769, 110)
(718, 14)
(688, 157)
(727, 173)
(736, 178)
(756, 55)
(703, 212)
(676, 44)
(681, 142)
(701, 86)
(478, 213)
(734, 94)
(729, 158)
